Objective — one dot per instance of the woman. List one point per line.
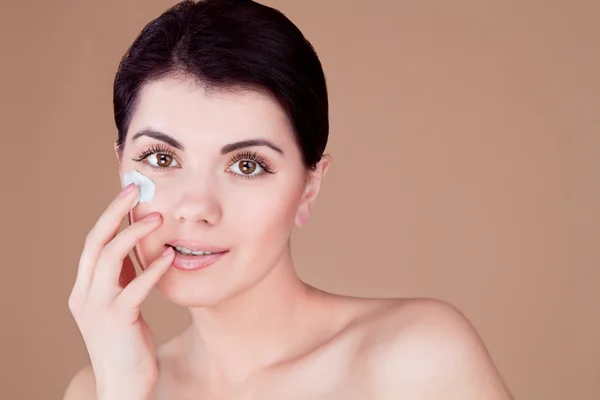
(222, 106)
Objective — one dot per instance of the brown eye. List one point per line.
(247, 167)
(164, 160)
(161, 160)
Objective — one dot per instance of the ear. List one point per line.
(311, 191)
(117, 153)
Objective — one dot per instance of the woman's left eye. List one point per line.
(161, 160)
(246, 168)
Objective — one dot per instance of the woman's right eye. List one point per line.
(161, 160)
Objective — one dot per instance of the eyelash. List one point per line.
(155, 148)
(246, 155)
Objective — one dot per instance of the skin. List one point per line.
(257, 330)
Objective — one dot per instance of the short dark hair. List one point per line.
(230, 44)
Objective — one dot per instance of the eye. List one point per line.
(157, 157)
(161, 160)
(246, 167)
(249, 165)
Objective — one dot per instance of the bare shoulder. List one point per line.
(82, 385)
(428, 349)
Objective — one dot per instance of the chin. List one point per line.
(200, 288)
(215, 284)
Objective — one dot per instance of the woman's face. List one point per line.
(214, 189)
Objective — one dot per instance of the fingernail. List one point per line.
(152, 217)
(126, 190)
(167, 251)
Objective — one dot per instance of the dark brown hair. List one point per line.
(229, 44)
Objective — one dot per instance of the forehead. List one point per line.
(186, 110)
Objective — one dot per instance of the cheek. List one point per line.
(150, 247)
(159, 203)
(264, 213)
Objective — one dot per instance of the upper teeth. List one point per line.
(194, 253)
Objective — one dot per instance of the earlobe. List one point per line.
(312, 188)
(326, 161)
(117, 154)
(302, 215)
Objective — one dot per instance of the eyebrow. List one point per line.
(163, 137)
(249, 143)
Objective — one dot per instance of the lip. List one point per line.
(196, 246)
(194, 263)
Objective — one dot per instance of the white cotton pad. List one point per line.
(145, 184)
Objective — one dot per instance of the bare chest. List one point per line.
(333, 374)
(321, 385)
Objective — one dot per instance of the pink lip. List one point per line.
(193, 263)
(196, 246)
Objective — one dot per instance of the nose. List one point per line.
(197, 203)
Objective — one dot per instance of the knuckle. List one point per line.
(89, 238)
(74, 303)
(71, 304)
(87, 241)
(108, 253)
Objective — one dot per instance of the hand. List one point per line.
(106, 298)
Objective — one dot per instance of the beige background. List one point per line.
(466, 167)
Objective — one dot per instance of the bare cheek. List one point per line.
(278, 216)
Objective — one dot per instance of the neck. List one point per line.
(257, 329)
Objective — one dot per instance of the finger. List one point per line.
(138, 289)
(128, 272)
(102, 232)
(112, 256)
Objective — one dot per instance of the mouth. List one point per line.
(191, 256)
(184, 251)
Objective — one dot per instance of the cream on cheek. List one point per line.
(147, 190)
(145, 184)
